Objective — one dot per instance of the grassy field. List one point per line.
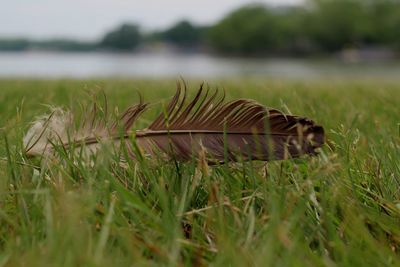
(341, 208)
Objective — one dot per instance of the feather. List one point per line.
(45, 128)
(57, 128)
(241, 129)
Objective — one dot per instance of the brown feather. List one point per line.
(237, 130)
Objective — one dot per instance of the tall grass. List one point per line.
(341, 208)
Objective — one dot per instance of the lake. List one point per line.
(170, 65)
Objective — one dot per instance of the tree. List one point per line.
(126, 37)
(183, 34)
(336, 24)
(249, 30)
(385, 29)
(14, 44)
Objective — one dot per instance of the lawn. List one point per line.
(340, 208)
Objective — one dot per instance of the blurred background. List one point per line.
(299, 39)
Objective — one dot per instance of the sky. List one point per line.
(89, 19)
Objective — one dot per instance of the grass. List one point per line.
(341, 208)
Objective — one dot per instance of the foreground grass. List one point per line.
(340, 208)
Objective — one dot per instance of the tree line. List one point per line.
(319, 26)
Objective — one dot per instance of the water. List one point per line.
(168, 65)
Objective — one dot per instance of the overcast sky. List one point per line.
(89, 19)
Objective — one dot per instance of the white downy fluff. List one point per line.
(53, 126)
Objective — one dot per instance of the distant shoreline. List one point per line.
(78, 65)
(367, 54)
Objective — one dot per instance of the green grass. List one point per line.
(341, 208)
